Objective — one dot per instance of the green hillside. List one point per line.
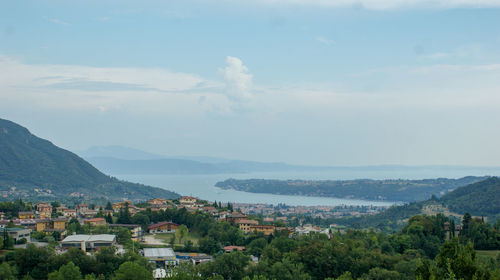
(28, 163)
(479, 199)
(482, 198)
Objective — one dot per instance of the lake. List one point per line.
(202, 186)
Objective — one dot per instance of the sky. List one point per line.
(319, 82)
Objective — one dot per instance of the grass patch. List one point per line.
(4, 252)
(488, 253)
(166, 237)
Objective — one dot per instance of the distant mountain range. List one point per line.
(31, 167)
(122, 160)
(118, 160)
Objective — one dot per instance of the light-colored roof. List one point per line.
(253, 222)
(158, 252)
(95, 220)
(102, 237)
(90, 238)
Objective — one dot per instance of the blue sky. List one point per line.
(313, 82)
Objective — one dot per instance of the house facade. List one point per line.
(163, 227)
(245, 225)
(26, 215)
(95, 222)
(267, 230)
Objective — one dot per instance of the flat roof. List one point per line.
(90, 238)
(158, 252)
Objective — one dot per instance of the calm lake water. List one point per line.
(202, 186)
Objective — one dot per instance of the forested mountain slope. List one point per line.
(28, 163)
(479, 199)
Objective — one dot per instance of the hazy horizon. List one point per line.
(326, 83)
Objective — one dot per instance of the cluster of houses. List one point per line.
(47, 219)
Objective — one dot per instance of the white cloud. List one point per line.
(387, 4)
(98, 78)
(474, 50)
(238, 80)
(159, 106)
(324, 41)
(103, 89)
(166, 93)
(56, 21)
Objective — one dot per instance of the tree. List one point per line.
(33, 260)
(346, 276)
(109, 206)
(287, 270)
(181, 232)
(7, 272)
(209, 245)
(378, 273)
(109, 218)
(8, 241)
(132, 271)
(107, 261)
(188, 246)
(123, 236)
(66, 272)
(185, 271)
(230, 266)
(141, 219)
(124, 216)
(457, 259)
(74, 226)
(256, 246)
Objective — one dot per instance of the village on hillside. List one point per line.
(165, 243)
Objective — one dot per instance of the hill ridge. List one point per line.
(28, 162)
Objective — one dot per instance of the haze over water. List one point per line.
(202, 186)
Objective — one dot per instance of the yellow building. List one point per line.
(119, 205)
(245, 225)
(188, 200)
(157, 201)
(58, 224)
(42, 225)
(26, 215)
(267, 230)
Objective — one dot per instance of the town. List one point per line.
(165, 243)
(190, 238)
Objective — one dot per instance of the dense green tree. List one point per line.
(230, 266)
(141, 219)
(181, 232)
(209, 245)
(109, 218)
(257, 246)
(33, 260)
(109, 206)
(132, 271)
(124, 215)
(7, 272)
(66, 272)
(123, 235)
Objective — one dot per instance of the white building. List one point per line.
(89, 242)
